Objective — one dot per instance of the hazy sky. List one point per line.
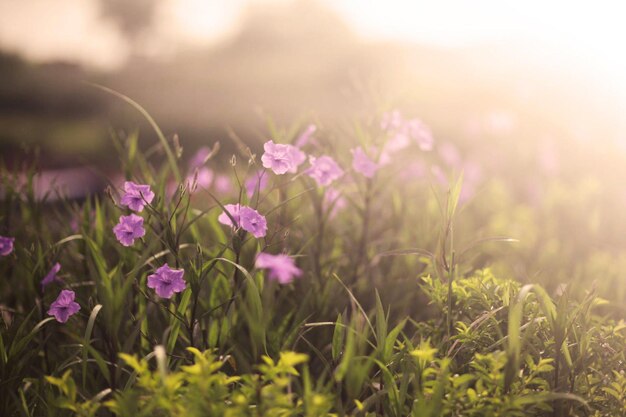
(590, 32)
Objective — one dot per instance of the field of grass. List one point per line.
(368, 269)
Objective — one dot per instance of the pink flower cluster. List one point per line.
(284, 158)
(136, 197)
(64, 306)
(280, 159)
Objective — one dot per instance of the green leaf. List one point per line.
(338, 338)
(346, 358)
(390, 341)
(87, 340)
(171, 158)
(381, 319)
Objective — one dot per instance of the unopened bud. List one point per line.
(194, 183)
(177, 148)
(182, 188)
(109, 193)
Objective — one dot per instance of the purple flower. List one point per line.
(6, 245)
(136, 196)
(245, 217)
(52, 276)
(362, 163)
(324, 170)
(282, 158)
(305, 136)
(282, 268)
(64, 306)
(128, 229)
(252, 221)
(167, 281)
(233, 210)
(257, 180)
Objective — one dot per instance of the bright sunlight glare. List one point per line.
(584, 36)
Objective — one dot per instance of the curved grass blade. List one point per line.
(171, 158)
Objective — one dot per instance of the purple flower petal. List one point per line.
(51, 276)
(64, 306)
(6, 245)
(253, 222)
(281, 267)
(324, 170)
(282, 158)
(128, 229)
(167, 281)
(401, 131)
(233, 210)
(245, 217)
(362, 163)
(136, 196)
(305, 137)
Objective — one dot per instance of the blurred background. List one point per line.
(529, 71)
(532, 93)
